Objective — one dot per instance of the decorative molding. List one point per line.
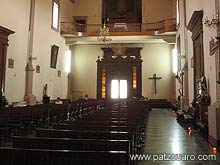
(195, 24)
(6, 31)
(196, 18)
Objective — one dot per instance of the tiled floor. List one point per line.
(165, 136)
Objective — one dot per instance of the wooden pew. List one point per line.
(95, 127)
(4, 130)
(22, 120)
(79, 134)
(138, 138)
(15, 156)
(103, 122)
(93, 133)
(56, 133)
(71, 144)
(116, 117)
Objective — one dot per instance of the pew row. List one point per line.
(71, 144)
(15, 156)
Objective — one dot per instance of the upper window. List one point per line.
(55, 14)
(177, 12)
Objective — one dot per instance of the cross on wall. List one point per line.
(155, 78)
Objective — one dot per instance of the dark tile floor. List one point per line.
(165, 136)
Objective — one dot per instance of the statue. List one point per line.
(45, 90)
(203, 96)
(203, 85)
(46, 98)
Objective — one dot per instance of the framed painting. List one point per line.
(38, 69)
(11, 63)
(59, 73)
(192, 62)
(54, 56)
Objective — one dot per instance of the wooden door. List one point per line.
(198, 61)
(196, 27)
(4, 33)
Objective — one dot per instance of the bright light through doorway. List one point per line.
(119, 89)
(114, 89)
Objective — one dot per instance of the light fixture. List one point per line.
(214, 150)
(215, 23)
(104, 33)
(189, 130)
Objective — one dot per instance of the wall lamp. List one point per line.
(215, 23)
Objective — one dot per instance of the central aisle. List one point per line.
(164, 136)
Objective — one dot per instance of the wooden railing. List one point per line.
(167, 25)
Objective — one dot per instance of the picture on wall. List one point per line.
(59, 73)
(54, 56)
(38, 69)
(192, 62)
(11, 63)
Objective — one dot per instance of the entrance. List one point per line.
(119, 74)
(119, 89)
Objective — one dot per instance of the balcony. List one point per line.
(70, 29)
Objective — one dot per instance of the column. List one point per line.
(29, 97)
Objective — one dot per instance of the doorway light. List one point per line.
(68, 61)
(175, 61)
(123, 89)
(114, 89)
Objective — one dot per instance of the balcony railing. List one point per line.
(168, 25)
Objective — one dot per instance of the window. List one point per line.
(177, 13)
(103, 82)
(68, 61)
(119, 89)
(80, 23)
(134, 77)
(55, 14)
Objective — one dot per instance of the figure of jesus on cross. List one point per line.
(155, 78)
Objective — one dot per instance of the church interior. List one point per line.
(123, 82)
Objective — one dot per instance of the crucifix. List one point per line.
(155, 78)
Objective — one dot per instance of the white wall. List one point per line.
(17, 19)
(166, 7)
(44, 38)
(84, 70)
(157, 59)
(93, 13)
(13, 14)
